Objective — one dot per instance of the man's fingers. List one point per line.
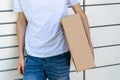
(20, 71)
(23, 68)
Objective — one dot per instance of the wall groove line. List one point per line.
(8, 35)
(6, 10)
(104, 4)
(7, 23)
(8, 47)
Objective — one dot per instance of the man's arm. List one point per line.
(77, 9)
(21, 29)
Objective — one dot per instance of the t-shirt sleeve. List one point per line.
(17, 7)
(73, 2)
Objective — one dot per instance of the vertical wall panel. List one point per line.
(107, 73)
(7, 29)
(11, 64)
(103, 15)
(8, 41)
(8, 53)
(107, 56)
(9, 75)
(8, 17)
(105, 35)
(76, 76)
(6, 5)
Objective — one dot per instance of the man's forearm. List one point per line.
(21, 38)
(77, 9)
(21, 29)
(86, 26)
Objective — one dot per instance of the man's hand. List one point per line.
(21, 62)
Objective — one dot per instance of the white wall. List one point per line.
(104, 20)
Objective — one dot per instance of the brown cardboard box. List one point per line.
(77, 42)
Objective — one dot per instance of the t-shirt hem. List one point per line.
(48, 54)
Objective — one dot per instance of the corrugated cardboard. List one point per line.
(77, 42)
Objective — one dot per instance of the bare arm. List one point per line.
(77, 9)
(21, 29)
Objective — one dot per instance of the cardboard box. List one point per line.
(78, 43)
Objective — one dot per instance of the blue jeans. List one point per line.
(53, 68)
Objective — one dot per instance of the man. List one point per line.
(38, 27)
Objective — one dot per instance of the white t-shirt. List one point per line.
(44, 35)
